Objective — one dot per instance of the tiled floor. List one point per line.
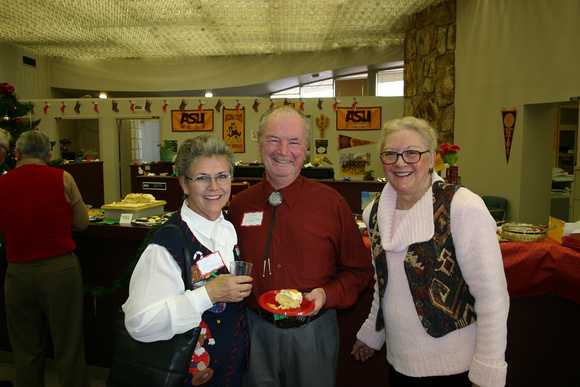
(50, 378)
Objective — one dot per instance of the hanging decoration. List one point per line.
(115, 106)
(63, 107)
(354, 103)
(46, 106)
(320, 103)
(351, 142)
(132, 107)
(509, 121)
(359, 119)
(238, 105)
(165, 104)
(322, 122)
(219, 105)
(335, 105)
(200, 106)
(191, 120)
(256, 104)
(183, 105)
(148, 105)
(234, 122)
(96, 106)
(78, 107)
(301, 104)
(271, 103)
(286, 101)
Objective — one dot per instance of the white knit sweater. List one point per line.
(479, 347)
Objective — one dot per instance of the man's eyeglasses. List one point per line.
(205, 181)
(2, 146)
(409, 156)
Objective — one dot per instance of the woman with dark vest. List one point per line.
(441, 301)
(159, 307)
(40, 207)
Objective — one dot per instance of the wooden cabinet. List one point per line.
(89, 179)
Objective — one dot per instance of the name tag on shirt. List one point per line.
(210, 263)
(252, 219)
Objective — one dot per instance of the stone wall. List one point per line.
(429, 71)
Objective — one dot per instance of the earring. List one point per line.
(431, 171)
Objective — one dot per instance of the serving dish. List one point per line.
(524, 232)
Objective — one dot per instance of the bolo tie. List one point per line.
(275, 200)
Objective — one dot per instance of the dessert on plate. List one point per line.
(289, 299)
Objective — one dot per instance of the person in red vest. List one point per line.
(40, 207)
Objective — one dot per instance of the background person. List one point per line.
(4, 145)
(315, 247)
(441, 300)
(43, 287)
(159, 307)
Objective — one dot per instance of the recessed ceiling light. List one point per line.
(208, 94)
(103, 95)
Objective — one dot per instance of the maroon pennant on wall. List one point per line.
(509, 121)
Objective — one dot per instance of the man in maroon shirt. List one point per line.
(299, 234)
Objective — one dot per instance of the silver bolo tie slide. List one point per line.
(275, 200)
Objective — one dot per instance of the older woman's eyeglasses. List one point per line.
(409, 156)
(205, 181)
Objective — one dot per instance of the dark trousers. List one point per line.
(306, 356)
(397, 379)
(46, 296)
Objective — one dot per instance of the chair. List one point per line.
(497, 207)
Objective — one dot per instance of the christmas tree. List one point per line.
(10, 112)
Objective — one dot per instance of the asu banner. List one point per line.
(358, 119)
(234, 129)
(191, 120)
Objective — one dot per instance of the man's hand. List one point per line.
(317, 295)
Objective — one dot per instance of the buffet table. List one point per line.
(534, 268)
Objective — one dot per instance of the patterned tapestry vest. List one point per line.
(440, 294)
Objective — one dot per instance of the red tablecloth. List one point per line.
(534, 268)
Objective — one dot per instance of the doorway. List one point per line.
(138, 140)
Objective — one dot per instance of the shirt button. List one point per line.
(426, 323)
(413, 285)
(419, 304)
(278, 266)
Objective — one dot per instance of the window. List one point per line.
(390, 83)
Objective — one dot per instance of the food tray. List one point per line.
(524, 233)
(146, 210)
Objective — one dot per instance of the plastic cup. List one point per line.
(241, 268)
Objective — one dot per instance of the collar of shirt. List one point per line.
(218, 235)
(289, 193)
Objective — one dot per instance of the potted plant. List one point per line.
(90, 154)
(166, 149)
(369, 175)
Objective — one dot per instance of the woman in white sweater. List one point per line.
(441, 301)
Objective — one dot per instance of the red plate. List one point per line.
(269, 303)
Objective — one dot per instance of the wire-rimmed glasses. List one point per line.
(205, 180)
(409, 156)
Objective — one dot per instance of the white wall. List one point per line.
(520, 54)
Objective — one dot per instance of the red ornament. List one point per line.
(17, 121)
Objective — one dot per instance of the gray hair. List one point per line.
(426, 131)
(34, 144)
(283, 109)
(199, 147)
(4, 138)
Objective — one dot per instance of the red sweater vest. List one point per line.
(35, 217)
